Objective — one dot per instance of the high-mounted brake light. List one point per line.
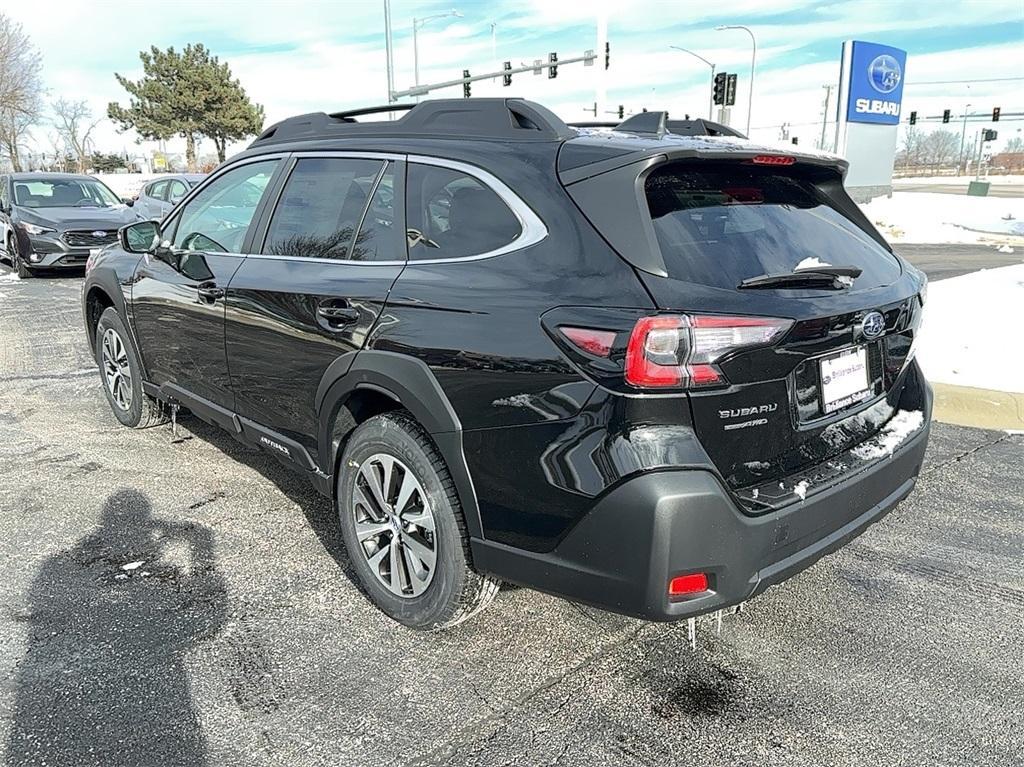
(773, 159)
(675, 351)
(694, 583)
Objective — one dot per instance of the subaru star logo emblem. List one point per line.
(884, 73)
(872, 325)
(99, 233)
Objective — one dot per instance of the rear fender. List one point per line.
(411, 383)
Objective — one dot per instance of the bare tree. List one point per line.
(940, 147)
(21, 88)
(74, 124)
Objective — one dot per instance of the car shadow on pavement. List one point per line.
(111, 621)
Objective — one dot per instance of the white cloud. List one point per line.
(298, 57)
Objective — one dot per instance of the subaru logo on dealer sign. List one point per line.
(886, 73)
(876, 83)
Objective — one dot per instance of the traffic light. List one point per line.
(465, 85)
(718, 92)
(607, 54)
(945, 115)
(553, 66)
(506, 79)
(995, 114)
(622, 111)
(913, 118)
(730, 90)
(989, 135)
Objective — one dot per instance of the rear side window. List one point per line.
(321, 207)
(718, 226)
(454, 215)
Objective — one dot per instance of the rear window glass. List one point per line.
(720, 226)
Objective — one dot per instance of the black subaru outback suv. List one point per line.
(650, 372)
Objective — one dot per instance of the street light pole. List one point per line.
(753, 60)
(711, 96)
(416, 24)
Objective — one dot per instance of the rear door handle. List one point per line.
(209, 292)
(337, 314)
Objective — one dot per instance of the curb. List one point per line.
(982, 408)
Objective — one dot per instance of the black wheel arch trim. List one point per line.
(411, 383)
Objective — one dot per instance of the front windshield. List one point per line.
(64, 193)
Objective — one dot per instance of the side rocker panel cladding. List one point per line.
(410, 382)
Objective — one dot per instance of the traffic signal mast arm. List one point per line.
(588, 58)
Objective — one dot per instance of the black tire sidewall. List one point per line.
(385, 434)
(17, 264)
(110, 319)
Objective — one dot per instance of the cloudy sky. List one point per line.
(296, 57)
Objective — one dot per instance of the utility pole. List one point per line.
(388, 50)
(824, 115)
(963, 133)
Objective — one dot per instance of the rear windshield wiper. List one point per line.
(831, 276)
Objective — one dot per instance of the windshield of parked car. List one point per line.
(64, 193)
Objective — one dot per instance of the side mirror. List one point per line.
(129, 201)
(140, 237)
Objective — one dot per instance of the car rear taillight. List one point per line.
(674, 351)
(596, 342)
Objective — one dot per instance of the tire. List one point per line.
(16, 263)
(432, 597)
(121, 374)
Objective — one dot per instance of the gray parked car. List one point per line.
(160, 195)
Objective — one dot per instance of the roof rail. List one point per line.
(480, 118)
(349, 113)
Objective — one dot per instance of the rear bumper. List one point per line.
(651, 528)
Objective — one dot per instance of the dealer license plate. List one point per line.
(844, 379)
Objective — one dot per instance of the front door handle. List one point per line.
(334, 315)
(209, 292)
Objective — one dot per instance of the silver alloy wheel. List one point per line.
(116, 372)
(394, 525)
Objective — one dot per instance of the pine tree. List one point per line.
(189, 94)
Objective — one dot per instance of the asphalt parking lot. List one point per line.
(240, 639)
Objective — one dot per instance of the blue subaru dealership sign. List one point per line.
(876, 83)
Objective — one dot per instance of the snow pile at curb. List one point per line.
(940, 218)
(971, 333)
(10, 277)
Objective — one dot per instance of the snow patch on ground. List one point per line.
(947, 218)
(892, 435)
(10, 277)
(971, 330)
(963, 181)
